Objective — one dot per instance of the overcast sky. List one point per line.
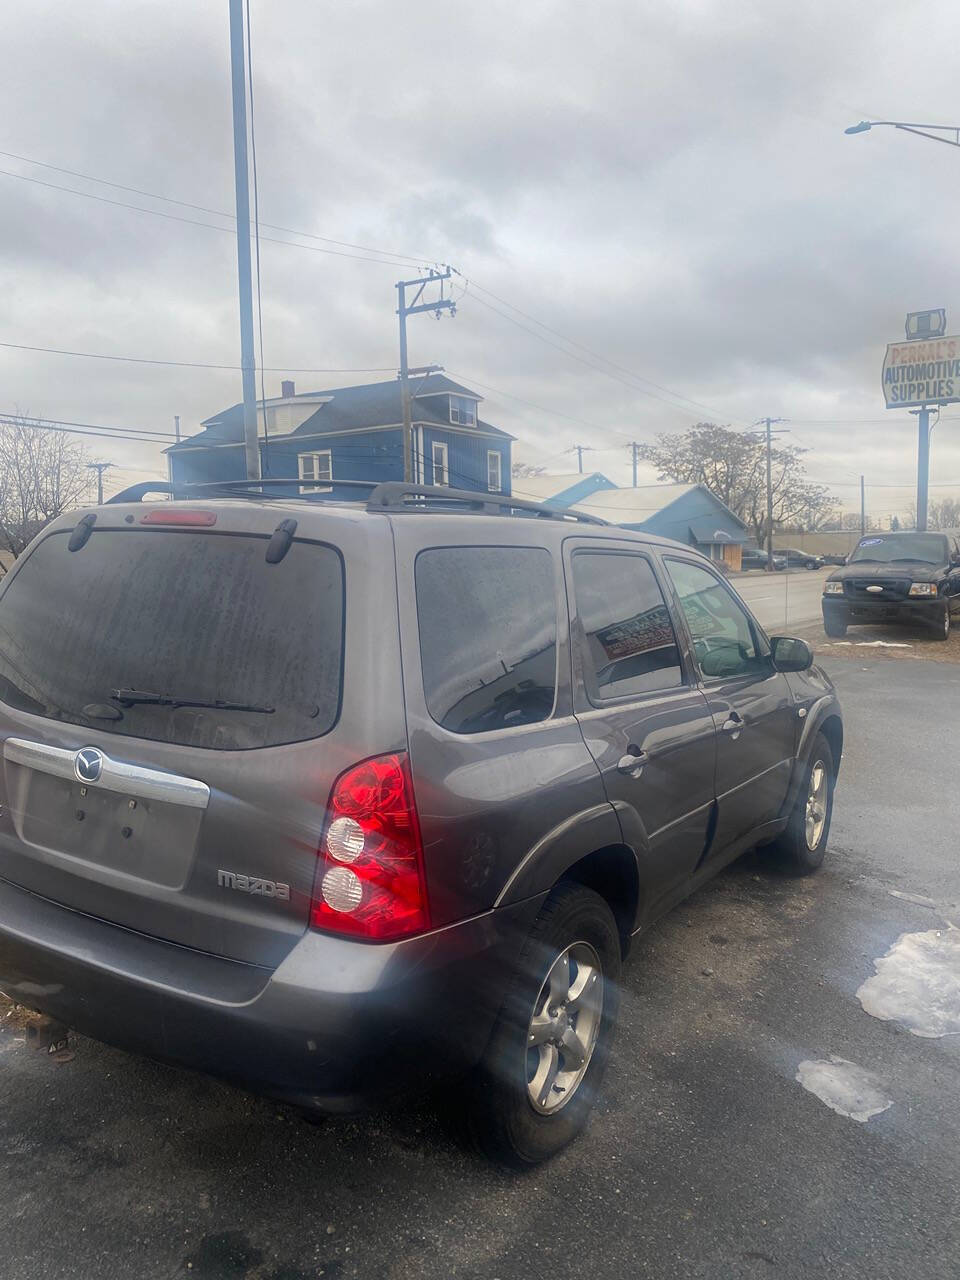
(668, 185)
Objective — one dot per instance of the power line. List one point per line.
(554, 413)
(197, 208)
(184, 364)
(146, 436)
(192, 222)
(589, 351)
(590, 364)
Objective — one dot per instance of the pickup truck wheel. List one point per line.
(534, 1089)
(802, 845)
(833, 627)
(943, 622)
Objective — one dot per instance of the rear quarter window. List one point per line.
(488, 635)
(195, 617)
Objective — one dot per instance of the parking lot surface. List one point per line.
(708, 1158)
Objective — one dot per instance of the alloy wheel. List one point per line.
(563, 1029)
(816, 814)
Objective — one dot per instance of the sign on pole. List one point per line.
(919, 373)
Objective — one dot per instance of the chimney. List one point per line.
(288, 389)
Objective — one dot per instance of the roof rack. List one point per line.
(396, 495)
(390, 495)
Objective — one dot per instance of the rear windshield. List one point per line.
(928, 548)
(192, 617)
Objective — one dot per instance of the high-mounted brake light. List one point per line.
(193, 518)
(369, 879)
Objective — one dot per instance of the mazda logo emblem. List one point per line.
(88, 764)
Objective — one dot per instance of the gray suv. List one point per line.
(335, 793)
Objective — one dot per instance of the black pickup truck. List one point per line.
(895, 577)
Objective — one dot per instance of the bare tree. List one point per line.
(520, 470)
(42, 474)
(732, 465)
(942, 513)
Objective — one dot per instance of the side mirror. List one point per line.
(790, 654)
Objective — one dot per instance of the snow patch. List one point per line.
(917, 983)
(847, 1089)
(867, 644)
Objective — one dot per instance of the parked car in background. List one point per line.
(402, 824)
(797, 559)
(896, 577)
(754, 558)
(833, 558)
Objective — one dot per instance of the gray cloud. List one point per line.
(669, 185)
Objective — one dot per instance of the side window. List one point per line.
(488, 635)
(723, 634)
(631, 646)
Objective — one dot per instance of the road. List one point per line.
(783, 600)
(707, 1160)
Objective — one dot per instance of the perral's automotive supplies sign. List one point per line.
(921, 372)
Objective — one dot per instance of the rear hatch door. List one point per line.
(128, 792)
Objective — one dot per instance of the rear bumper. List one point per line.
(841, 609)
(338, 1025)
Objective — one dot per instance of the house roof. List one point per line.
(633, 506)
(373, 404)
(648, 504)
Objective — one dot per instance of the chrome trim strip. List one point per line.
(116, 775)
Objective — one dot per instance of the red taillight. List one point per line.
(193, 518)
(370, 872)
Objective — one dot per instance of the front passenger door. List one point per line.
(751, 703)
(644, 721)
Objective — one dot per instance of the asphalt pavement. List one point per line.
(707, 1159)
(783, 600)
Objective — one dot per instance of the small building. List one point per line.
(688, 513)
(355, 433)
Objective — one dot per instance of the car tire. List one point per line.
(942, 623)
(812, 564)
(834, 627)
(498, 1114)
(802, 846)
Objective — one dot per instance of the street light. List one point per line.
(915, 324)
(922, 129)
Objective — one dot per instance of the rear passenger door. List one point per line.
(644, 721)
(752, 704)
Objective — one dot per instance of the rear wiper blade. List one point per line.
(143, 697)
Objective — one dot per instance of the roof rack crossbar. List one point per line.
(211, 488)
(396, 495)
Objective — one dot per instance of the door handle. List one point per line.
(632, 763)
(732, 725)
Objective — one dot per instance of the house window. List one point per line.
(463, 412)
(438, 454)
(315, 466)
(494, 462)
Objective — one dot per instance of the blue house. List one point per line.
(688, 513)
(355, 433)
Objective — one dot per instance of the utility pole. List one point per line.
(923, 465)
(635, 451)
(863, 509)
(251, 447)
(176, 425)
(580, 450)
(403, 310)
(769, 434)
(99, 468)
